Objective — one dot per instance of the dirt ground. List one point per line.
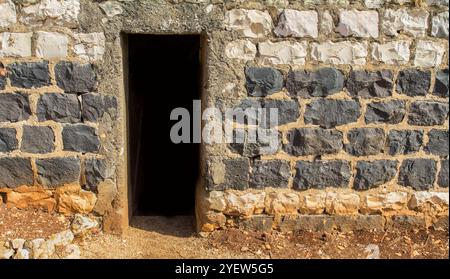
(164, 237)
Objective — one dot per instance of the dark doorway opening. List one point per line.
(164, 72)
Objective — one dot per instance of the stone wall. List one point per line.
(362, 87)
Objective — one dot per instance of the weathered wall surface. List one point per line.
(362, 87)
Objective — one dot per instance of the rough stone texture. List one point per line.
(340, 53)
(392, 53)
(15, 44)
(427, 113)
(437, 142)
(37, 139)
(443, 174)
(51, 12)
(328, 113)
(7, 13)
(384, 202)
(404, 141)
(29, 74)
(273, 173)
(15, 172)
(111, 8)
(283, 53)
(441, 83)
(267, 142)
(373, 174)
(245, 205)
(58, 107)
(358, 23)
(95, 171)
(54, 172)
(281, 203)
(369, 84)
(236, 173)
(429, 54)
(391, 112)
(342, 203)
(106, 192)
(75, 77)
(288, 111)
(72, 199)
(439, 25)
(2, 82)
(14, 107)
(8, 140)
(216, 201)
(319, 83)
(327, 223)
(241, 50)
(80, 138)
(299, 24)
(249, 23)
(423, 199)
(365, 141)
(90, 46)
(326, 24)
(263, 81)
(51, 45)
(321, 174)
(411, 22)
(313, 203)
(405, 222)
(94, 106)
(313, 141)
(259, 223)
(413, 82)
(417, 173)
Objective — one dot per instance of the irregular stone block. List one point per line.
(313, 141)
(15, 44)
(427, 113)
(299, 24)
(273, 173)
(319, 83)
(249, 23)
(8, 140)
(89, 46)
(410, 21)
(413, 82)
(236, 173)
(439, 25)
(8, 15)
(2, 82)
(74, 77)
(443, 174)
(245, 205)
(392, 53)
(373, 174)
(64, 108)
(14, 107)
(288, 111)
(29, 74)
(263, 81)
(80, 138)
(15, 171)
(328, 113)
(437, 142)
(95, 172)
(58, 171)
(281, 203)
(51, 45)
(339, 53)
(321, 174)
(342, 203)
(422, 200)
(53, 13)
(384, 202)
(417, 173)
(264, 142)
(363, 24)
(283, 53)
(429, 54)
(404, 141)
(365, 141)
(368, 84)
(391, 112)
(37, 139)
(241, 50)
(441, 83)
(94, 106)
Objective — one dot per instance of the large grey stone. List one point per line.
(14, 107)
(80, 138)
(263, 81)
(404, 141)
(413, 82)
(59, 107)
(29, 74)
(368, 84)
(443, 174)
(391, 112)
(365, 141)
(330, 113)
(74, 77)
(8, 140)
(437, 142)
(319, 83)
(417, 173)
(313, 141)
(95, 105)
(273, 173)
(236, 173)
(95, 172)
(288, 111)
(37, 139)
(266, 143)
(321, 174)
(373, 174)
(15, 171)
(427, 113)
(441, 83)
(54, 172)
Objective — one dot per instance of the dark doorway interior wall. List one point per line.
(164, 72)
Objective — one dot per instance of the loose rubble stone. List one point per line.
(95, 171)
(413, 82)
(15, 172)
(358, 23)
(443, 174)
(340, 53)
(236, 173)
(82, 225)
(14, 107)
(392, 53)
(439, 25)
(7, 14)
(64, 108)
(249, 23)
(273, 173)
(373, 174)
(94, 106)
(412, 22)
(437, 142)
(417, 173)
(319, 83)
(89, 46)
(426, 113)
(297, 24)
(80, 138)
(245, 205)
(369, 84)
(391, 112)
(29, 74)
(281, 203)
(342, 203)
(313, 141)
(264, 142)
(241, 50)
(321, 174)
(51, 12)
(37, 139)
(421, 200)
(74, 77)
(441, 83)
(404, 141)
(8, 140)
(328, 113)
(429, 54)
(62, 238)
(313, 203)
(384, 202)
(15, 44)
(54, 172)
(365, 141)
(263, 81)
(51, 45)
(284, 53)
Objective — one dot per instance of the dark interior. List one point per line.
(163, 73)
